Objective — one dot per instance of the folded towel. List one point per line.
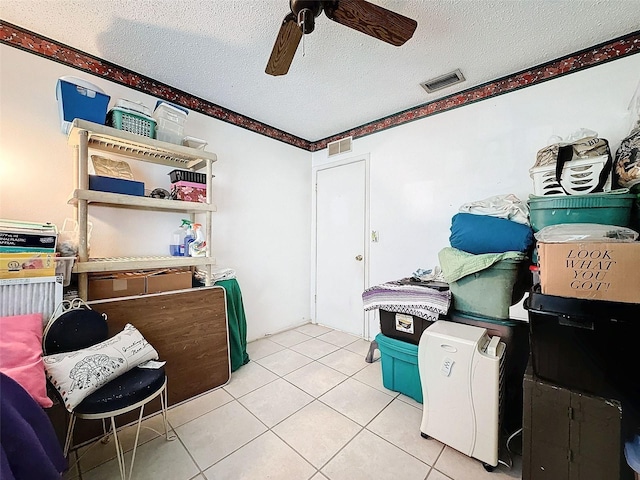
(457, 264)
(218, 273)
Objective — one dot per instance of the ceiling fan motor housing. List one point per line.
(306, 12)
(314, 5)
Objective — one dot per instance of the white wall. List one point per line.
(421, 172)
(263, 223)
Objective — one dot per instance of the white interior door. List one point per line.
(340, 246)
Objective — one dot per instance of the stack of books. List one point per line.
(27, 249)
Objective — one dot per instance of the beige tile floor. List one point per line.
(306, 407)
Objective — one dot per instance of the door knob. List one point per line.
(359, 258)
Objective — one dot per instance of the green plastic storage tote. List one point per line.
(489, 292)
(612, 208)
(400, 366)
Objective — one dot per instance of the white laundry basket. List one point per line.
(578, 177)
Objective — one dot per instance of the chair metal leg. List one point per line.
(119, 451)
(120, 454)
(164, 402)
(135, 443)
(106, 433)
(69, 437)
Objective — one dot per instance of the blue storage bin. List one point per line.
(400, 366)
(78, 98)
(116, 185)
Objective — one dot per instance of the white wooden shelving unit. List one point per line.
(84, 136)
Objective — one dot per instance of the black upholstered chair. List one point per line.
(79, 327)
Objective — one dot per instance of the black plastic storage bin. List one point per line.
(402, 326)
(587, 345)
(187, 176)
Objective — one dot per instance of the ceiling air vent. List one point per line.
(340, 146)
(443, 81)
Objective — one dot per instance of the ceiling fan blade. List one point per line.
(372, 20)
(285, 47)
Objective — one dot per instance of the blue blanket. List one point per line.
(480, 234)
(30, 448)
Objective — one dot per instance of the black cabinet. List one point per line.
(570, 435)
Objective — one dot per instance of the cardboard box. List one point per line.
(111, 285)
(168, 280)
(125, 284)
(591, 270)
(28, 264)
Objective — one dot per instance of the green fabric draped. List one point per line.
(237, 323)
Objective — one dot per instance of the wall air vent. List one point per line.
(340, 146)
(443, 81)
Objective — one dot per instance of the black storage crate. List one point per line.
(187, 176)
(588, 345)
(406, 327)
(401, 326)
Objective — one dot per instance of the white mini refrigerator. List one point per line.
(462, 376)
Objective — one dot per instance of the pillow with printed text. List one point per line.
(79, 373)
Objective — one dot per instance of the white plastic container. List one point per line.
(133, 105)
(194, 143)
(176, 247)
(170, 123)
(64, 266)
(168, 136)
(169, 113)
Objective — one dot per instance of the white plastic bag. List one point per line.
(69, 238)
(585, 232)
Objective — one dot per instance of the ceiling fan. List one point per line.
(360, 15)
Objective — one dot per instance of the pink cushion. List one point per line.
(21, 354)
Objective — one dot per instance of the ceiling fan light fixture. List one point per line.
(443, 81)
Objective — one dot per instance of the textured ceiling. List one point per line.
(339, 79)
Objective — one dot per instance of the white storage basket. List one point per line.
(578, 177)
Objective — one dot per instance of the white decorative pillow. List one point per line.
(80, 373)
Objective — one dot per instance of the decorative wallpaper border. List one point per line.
(28, 41)
(605, 52)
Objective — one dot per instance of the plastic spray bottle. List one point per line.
(198, 248)
(176, 247)
(189, 237)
